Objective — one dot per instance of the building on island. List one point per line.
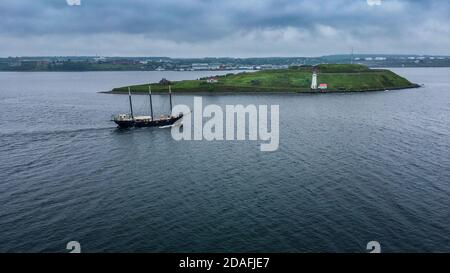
(323, 86)
(212, 80)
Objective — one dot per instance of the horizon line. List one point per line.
(219, 57)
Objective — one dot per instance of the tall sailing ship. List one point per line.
(130, 120)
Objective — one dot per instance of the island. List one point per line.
(325, 78)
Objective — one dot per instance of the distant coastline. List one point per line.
(101, 63)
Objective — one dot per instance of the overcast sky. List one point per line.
(234, 28)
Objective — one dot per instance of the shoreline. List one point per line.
(249, 70)
(212, 93)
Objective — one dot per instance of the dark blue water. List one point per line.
(351, 168)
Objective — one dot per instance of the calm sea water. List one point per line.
(351, 168)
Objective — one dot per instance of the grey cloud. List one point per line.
(233, 27)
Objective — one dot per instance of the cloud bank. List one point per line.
(243, 28)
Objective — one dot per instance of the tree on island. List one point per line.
(164, 81)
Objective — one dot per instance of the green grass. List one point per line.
(297, 79)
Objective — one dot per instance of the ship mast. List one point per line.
(131, 104)
(170, 98)
(150, 96)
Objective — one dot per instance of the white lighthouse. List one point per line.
(314, 81)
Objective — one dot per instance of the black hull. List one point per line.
(153, 123)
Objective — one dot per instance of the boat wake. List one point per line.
(54, 132)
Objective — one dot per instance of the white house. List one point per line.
(323, 86)
(212, 80)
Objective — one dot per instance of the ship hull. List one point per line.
(152, 123)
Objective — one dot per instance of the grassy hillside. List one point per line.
(296, 79)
